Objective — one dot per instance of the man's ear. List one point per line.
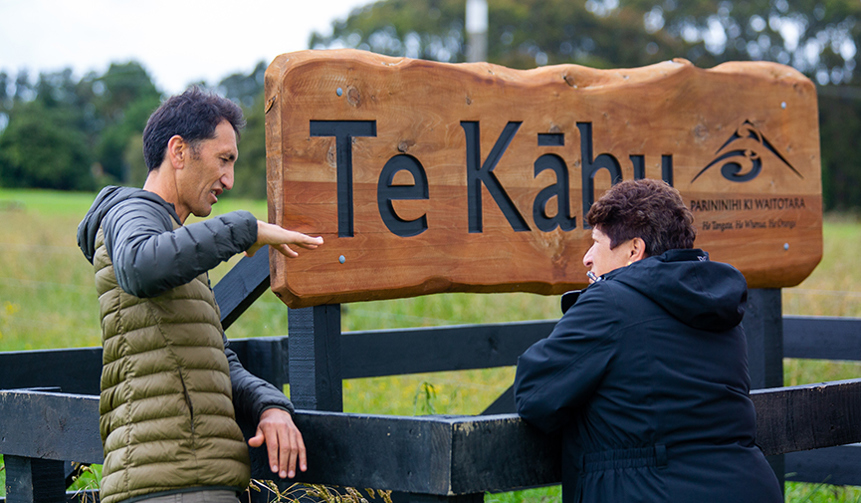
(638, 250)
(177, 150)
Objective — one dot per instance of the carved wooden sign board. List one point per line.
(427, 177)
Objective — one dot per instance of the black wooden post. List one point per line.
(763, 324)
(314, 373)
(31, 480)
(314, 346)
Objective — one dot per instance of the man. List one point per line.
(170, 387)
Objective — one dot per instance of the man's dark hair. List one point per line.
(648, 209)
(193, 115)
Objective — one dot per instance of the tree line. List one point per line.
(62, 133)
(59, 132)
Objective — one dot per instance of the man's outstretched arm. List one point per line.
(278, 238)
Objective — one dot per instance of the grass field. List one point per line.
(47, 300)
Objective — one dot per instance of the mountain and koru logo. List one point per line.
(743, 150)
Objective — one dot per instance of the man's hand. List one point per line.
(278, 238)
(283, 442)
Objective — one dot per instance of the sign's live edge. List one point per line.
(427, 177)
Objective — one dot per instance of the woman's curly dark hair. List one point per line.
(648, 209)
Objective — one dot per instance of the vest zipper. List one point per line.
(187, 399)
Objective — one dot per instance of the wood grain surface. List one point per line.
(427, 177)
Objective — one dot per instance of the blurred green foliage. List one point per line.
(64, 133)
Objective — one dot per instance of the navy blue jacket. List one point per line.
(646, 378)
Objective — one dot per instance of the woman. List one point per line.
(646, 373)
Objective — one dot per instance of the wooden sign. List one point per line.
(426, 177)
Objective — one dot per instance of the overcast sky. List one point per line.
(177, 41)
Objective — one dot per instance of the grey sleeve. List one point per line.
(149, 257)
(251, 394)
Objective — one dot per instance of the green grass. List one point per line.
(47, 300)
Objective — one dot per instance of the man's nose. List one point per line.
(587, 259)
(227, 179)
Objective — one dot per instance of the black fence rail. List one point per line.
(380, 353)
(803, 428)
(431, 458)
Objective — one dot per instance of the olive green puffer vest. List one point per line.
(167, 418)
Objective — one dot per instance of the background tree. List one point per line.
(44, 142)
(247, 90)
(4, 89)
(63, 133)
(521, 33)
(23, 88)
(244, 89)
(5, 100)
(40, 147)
(124, 97)
(819, 37)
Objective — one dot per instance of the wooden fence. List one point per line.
(435, 458)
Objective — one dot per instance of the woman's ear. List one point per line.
(638, 250)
